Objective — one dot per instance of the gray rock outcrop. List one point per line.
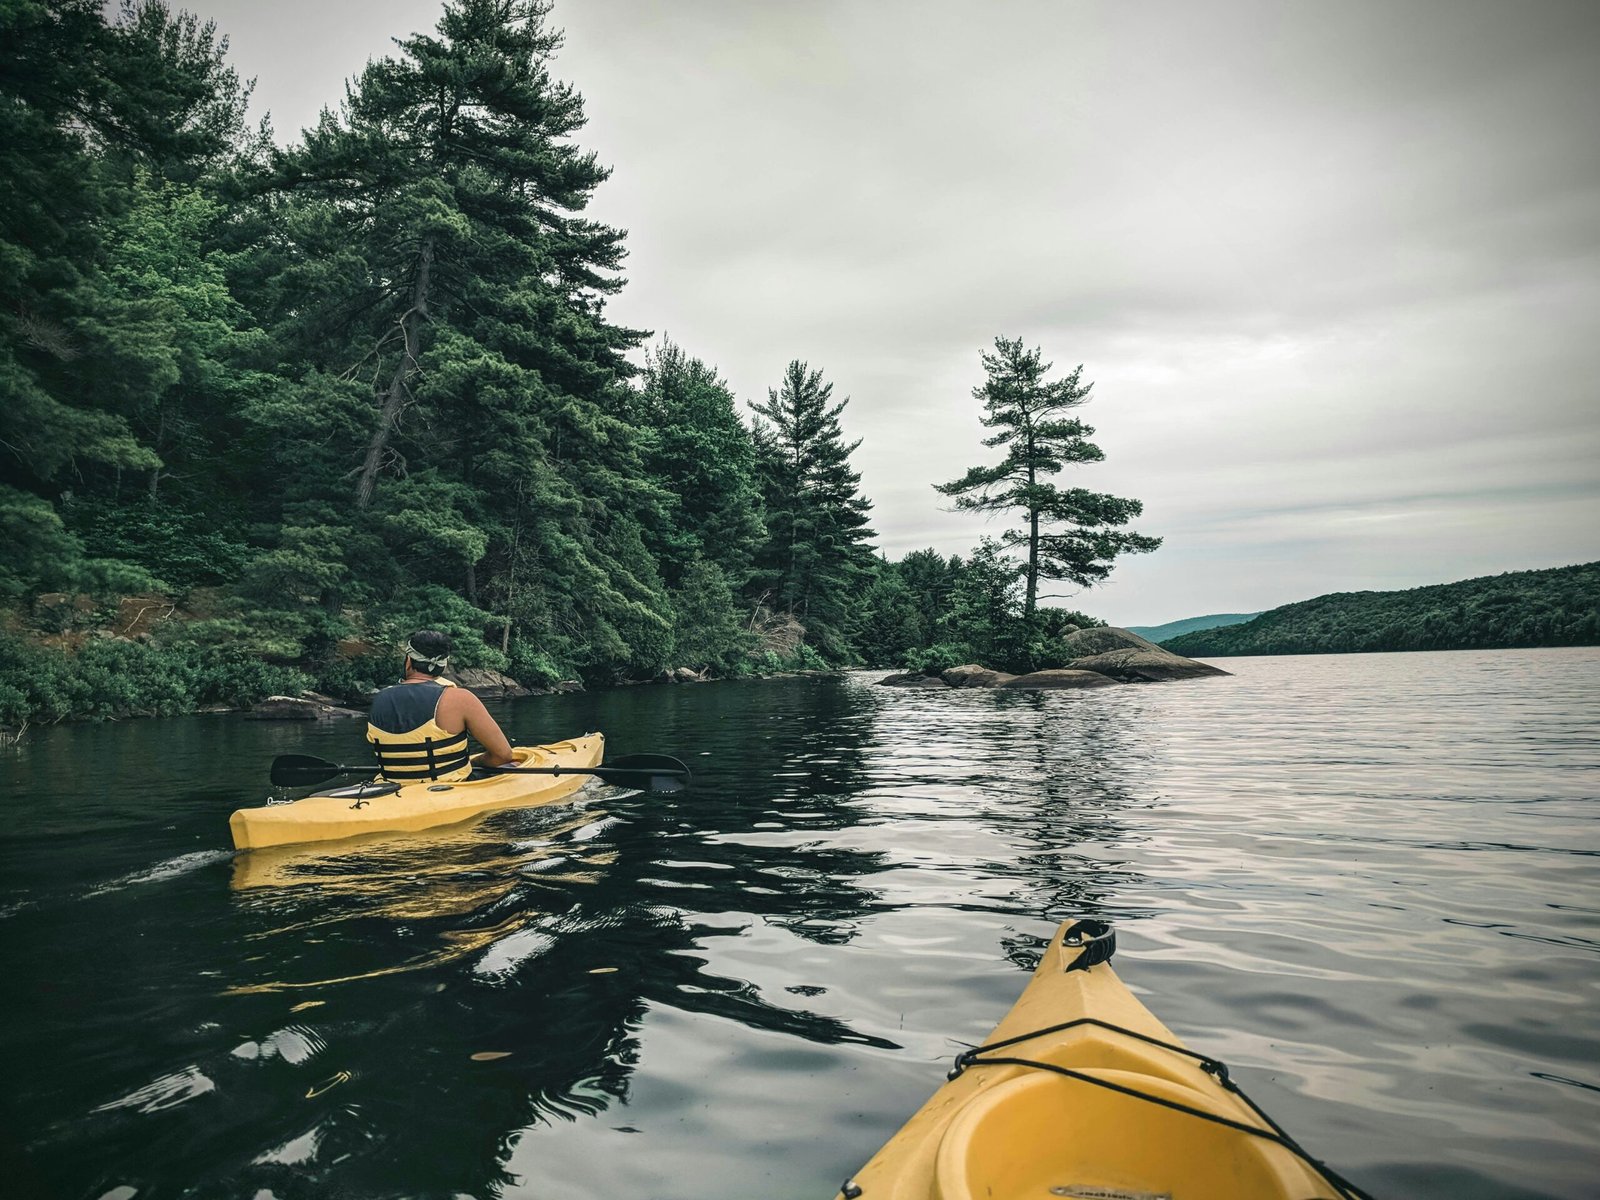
(298, 708)
(1057, 679)
(1130, 658)
(974, 675)
(912, 679)
(1084, 642)
(487, 684)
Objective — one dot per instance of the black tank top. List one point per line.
(405, 706)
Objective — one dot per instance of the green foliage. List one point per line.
(1558, 607)
(708, 630)
(703, 458)
(892, 624)
(816, 556)
(41, 553)
(1069, 533)
(307, 564)
(804, 658)
(106, 577)
(985, 613)
(983, 620)
(435, 607)
(116, 678)
(178, 548)
(933, 660)
(352, 680)
(94, 114)
(534, 668)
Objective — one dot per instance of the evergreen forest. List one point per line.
(1557, 607)
(270, 405)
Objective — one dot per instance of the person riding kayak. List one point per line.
(418, 727)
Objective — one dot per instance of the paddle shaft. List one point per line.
(649, 771)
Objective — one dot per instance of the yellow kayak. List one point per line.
(1081, 1092)
(372, 807)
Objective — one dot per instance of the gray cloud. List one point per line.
(1334, 268)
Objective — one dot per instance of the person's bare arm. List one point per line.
(497, 749)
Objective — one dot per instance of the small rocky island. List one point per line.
(1102, 657)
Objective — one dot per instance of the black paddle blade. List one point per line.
(302, 770)
(663, 764)
(652, 772)
(645, 773)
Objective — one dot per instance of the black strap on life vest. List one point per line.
(426, 759)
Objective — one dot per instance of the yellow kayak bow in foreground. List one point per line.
(1081, 1092)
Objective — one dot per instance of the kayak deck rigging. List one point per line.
(1162, 1122)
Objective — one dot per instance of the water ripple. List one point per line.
(1366, 882)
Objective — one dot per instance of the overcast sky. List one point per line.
(1334, 268)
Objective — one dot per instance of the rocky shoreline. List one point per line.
(482, 682)
(1100, 657)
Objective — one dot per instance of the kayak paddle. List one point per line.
(642, 772)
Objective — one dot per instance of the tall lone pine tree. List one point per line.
(1029, 414)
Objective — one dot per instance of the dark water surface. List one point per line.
(1369, 883)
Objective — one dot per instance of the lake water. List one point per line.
(1368, 883)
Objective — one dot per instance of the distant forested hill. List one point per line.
(1160, 633)
(1558, 607)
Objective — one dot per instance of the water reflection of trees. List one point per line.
(1053, 781)
(541, 938)
(1086, 759)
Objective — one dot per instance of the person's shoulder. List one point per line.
(457, 696)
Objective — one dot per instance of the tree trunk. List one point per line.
(1033, 535)
(511, 579)
(1033, 563)
(155, 472)
(394, 401)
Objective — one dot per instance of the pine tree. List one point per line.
(449, 297)
(703, 457)
(891, 626)
(816, 555)
(1040, 440)
(930, 578)
(93, 331)
(985, 616)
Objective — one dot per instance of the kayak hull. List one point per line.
(1006, 1131)
(338, 813)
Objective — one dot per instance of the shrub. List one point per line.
(534, 668)
(112, 678)
(804, 658)
(931, 660)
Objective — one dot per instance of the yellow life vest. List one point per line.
(424, 752)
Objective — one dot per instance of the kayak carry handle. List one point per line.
(1098, 939)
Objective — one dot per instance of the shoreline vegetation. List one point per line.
(269, 407)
